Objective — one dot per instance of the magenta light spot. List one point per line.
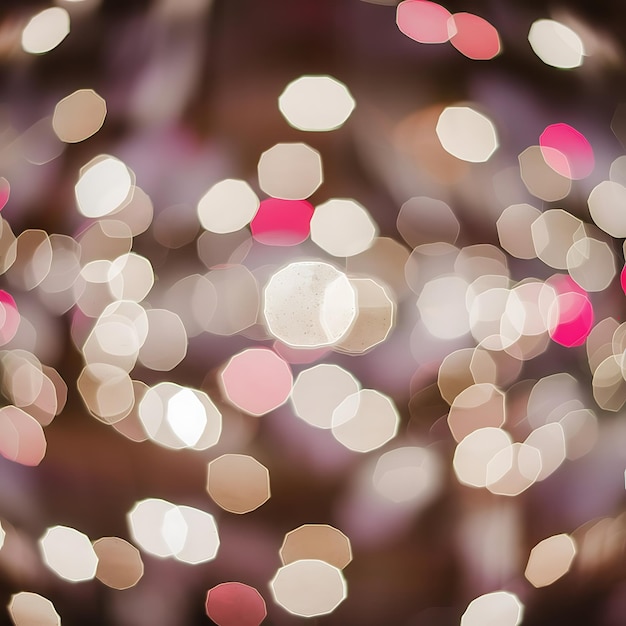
(257, 381)
(622, 279)
(474, 37)
(426, 22)
(5, 191)
(9, 317)
(567, 151)
(571, 315)
(235, 604)
(282, 222)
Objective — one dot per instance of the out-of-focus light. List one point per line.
(591, 263)
(479, 406)
(31, 609)
(549, 439)
(474, 453)
(309, 587)
(571, 315)
(137, 214)
(316, 541)
(425, 22)
(567, 151)
(227, 206)
(79, 116)
(176, 226)
(581, 432)
(316, 103)
(499, 608)
(22, 439)
(317, 408)
(119, 563)
(282, 222)
(5, 192)
(556, 44)
(474, 36)
(514, 469)
(365, 420)
(136, 274)
(342, 227)
(605, 207)
(539, 178)
(408, 475)
(166, 342)
(237, 300)
(442, 307)
(291, 171)
(238, 483)
(46, 30)
(374, 320)
(165, 530)
(467, 134)
(461, 369)
(69, 553)
(553, 234)
(385, 260)
(608, 384)
(105, 185)
(309, 304)
(9, 317)
(180, 417)
(427, 220)
(235, 604)
(107, 391)
(256, 381)
(550, 559)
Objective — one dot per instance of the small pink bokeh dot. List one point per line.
(474, 37)
(423, 21)
(281, 222)
(235, 604)
(571, 314)
(567, 151)
(257, 381)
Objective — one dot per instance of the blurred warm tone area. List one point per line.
(312, 312)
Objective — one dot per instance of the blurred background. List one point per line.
(484, 353)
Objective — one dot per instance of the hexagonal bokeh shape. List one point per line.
(69, 553)
(309, 304)
(374, 320)
(554, 232)
(499, 607)
(342, 227)
(514, 233)
(256, 381)
(238, 483)
(235, 604)
(365, 420)
(79, 115)
(309, 588)
(291, 171)
(31, 609)
(478, 406)
(316, 541)
(466, 134)
(317, 408)
(550, 559)
(119, 563)
(316, 103)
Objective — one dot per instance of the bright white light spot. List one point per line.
(186, 416)
(104, 185)
(466, 134)
(46, 30)
(556, 44)
(316, 103)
